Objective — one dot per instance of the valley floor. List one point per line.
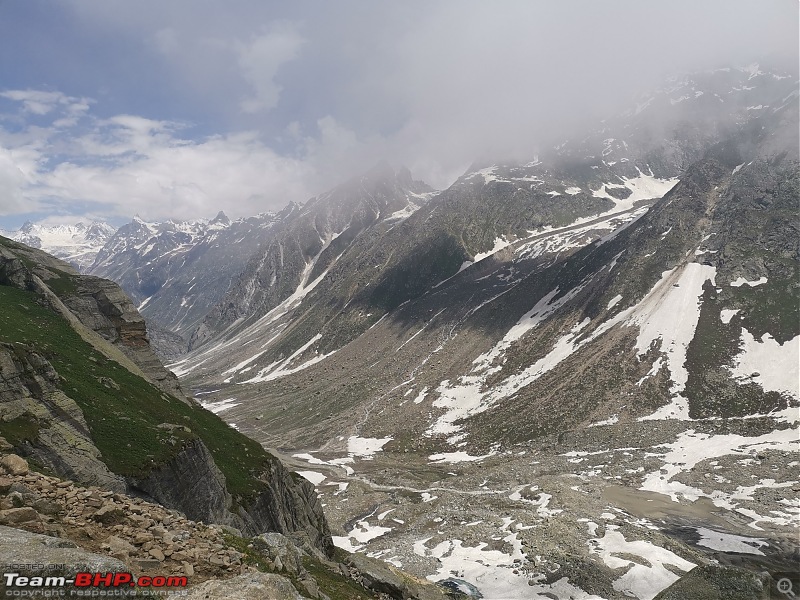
(610, 512)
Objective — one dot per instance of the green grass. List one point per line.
(24, 428)
(124, 422)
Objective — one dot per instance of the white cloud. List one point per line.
(40, 102)
(128, 164)
(12, 182)
(261, 58)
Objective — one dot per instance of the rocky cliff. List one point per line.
(82, 395)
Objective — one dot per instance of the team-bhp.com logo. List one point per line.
(88, 584)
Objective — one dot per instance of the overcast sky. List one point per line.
(179, 109)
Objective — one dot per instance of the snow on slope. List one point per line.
(642, 187)
(677, 292)
(773, 366)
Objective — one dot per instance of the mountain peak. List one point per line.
(221, 219)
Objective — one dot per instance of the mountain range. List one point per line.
(574, 375)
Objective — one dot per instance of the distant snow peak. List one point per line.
(76, 244)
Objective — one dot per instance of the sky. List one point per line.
(180, 109)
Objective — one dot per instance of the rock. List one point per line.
(5, 485)
(12, 516)
(108, 513)
(248, 586)
(156, 553)
(15, 499)
(280, 550)
(382, 578)
(4, 445)
(119, 545)
(14, 465)
(47, 507)
(149, 564)
(310, 587)
(32, 549)
(188, 568)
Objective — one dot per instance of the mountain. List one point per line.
(310, 241)
(84, 397)
(77, 244)
(175, 271)
(574, 376)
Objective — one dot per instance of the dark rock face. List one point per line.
(289, 504)
(192, 483)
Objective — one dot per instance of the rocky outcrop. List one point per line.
(192, 483)
(99, 305)
(383, 578)
(25, 550)
(250, 586)
(103, 307)
(31, 400)
(288, 505)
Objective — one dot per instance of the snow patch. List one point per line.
(313, 476)
(727, 542)
(742, 281)
(613, 302)
(499, 244)
(773, 366)
(365, 448)
(644, 579)
(456, 457)
(220, 405)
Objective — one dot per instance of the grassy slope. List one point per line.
(123, 422)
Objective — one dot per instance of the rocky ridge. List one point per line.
(75, 399)
(127, 533)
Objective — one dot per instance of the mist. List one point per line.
(247, 106)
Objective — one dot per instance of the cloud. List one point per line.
(261, 58)
(128, 164)
(246, 106)
(40, 102)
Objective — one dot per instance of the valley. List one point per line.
(571, 376)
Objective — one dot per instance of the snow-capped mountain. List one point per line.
(310, 241)
(553, 363)
(77, 244)
(175, 271)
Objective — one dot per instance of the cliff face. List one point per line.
(102, 306)
(31, 400)
(287, 503)
(99, 305)
(83, 396)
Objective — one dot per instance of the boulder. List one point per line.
(14, 465)
(249, 586)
